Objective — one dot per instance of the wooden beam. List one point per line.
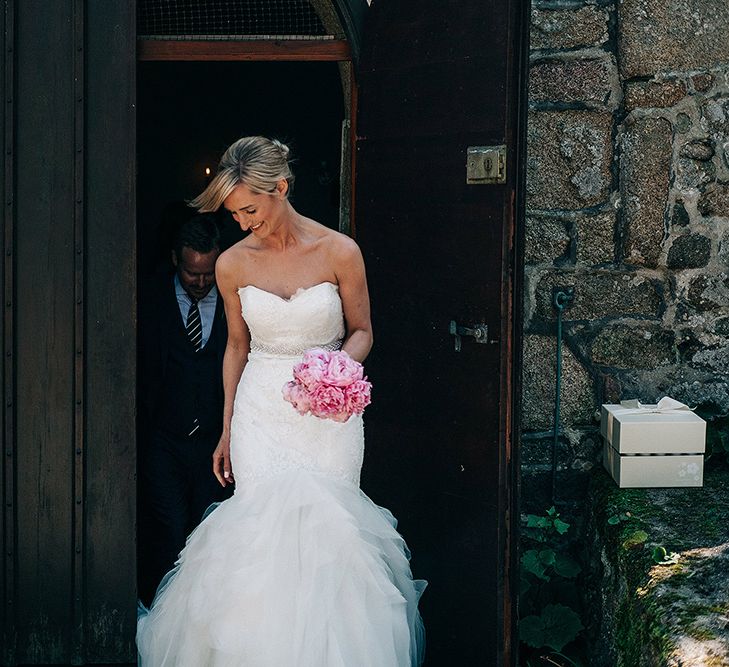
(294, 49)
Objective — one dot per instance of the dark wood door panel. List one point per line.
(433, 99)
(431, 259)
(435, 32)
(68, 529)
(44, 333)
(436, 78)
(110, 268)
(433, 250)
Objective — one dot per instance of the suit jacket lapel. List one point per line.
(171, 319)
(220, 330)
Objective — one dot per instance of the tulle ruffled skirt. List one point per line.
(296, 570)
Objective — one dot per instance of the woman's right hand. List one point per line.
(221, 461)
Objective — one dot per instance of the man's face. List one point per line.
(196, 271)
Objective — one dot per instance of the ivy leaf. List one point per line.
(533, 562)
(636, 539)
(561, 625)
(566, 567)
(547, 556)
(531, 631)
(614, 520)
(662, 557)
(560, 526)
(557, 626)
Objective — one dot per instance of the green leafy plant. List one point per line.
(635, 539)
(615, 519)
(662, 557)
(548, 594)
(556, 626)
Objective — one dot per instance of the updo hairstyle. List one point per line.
(257, 162)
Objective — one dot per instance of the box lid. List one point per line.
(653, 429)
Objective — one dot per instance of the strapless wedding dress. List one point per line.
(299, 568)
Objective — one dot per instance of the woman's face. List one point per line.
(257, 213)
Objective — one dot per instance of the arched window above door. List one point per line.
(232, 19)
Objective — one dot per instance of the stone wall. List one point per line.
(628, 203)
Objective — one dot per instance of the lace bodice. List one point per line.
(312, 317)
(268, 436)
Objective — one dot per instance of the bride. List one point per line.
(299, 568)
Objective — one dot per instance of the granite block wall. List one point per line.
(628, 204)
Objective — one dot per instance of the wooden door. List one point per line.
(436, 77)
(68, 334)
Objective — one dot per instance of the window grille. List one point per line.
(228, 19)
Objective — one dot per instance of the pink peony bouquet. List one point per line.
(329, 385)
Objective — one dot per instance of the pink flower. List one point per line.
(329, 385)
(340, 416)
(342, 370)
(311, 371)
(358, 396)
(326, 401)
(316, 355)
(295, 394)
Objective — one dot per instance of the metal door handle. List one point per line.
(480, 333)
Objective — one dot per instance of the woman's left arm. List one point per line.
(350, 272)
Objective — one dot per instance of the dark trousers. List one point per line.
(176, 486)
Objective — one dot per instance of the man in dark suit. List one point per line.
(182, 337)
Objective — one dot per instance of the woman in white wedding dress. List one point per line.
(299, 568)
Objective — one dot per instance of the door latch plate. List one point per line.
(485, 165)
(480, 333)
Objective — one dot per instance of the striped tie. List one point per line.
(194, 333)
(194, 326)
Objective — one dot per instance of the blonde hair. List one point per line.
(257, 162)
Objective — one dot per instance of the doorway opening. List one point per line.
(188, 112)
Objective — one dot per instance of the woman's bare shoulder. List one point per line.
(232, 262)
(344, 248)
(232, 255)
(336, 243)
(343, 254)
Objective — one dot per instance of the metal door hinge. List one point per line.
(485, 165)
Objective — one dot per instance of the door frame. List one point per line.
(279, 50)
(243, 50)
(346, 52)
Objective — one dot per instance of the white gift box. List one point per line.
(669, 427)
(653, 470)
(658, 445)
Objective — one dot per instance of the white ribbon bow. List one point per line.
(665, 405)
